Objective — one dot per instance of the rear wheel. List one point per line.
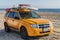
(7, 29)
(23, 33)
(47, 35)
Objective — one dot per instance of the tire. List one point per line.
(23, 33)
(47, 35)
(6, 27)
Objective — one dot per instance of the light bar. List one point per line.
(32, 8)
(24, 5)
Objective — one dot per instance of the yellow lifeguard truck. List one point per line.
(27, 22)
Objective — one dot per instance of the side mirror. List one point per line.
(16, 18)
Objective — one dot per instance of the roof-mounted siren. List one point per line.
(23, 5)
(7, 9)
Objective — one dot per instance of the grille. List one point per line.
(43, 25)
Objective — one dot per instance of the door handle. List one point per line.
(12, 20)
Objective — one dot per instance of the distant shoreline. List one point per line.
(49, 14)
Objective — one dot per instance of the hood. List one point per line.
(37, 21)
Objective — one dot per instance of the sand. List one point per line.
(55, 18)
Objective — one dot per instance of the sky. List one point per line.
(33, 3)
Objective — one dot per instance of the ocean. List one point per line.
(43, 10)
(49, 10)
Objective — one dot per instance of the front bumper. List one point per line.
(39, 32)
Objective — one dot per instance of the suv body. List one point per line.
(27, 22)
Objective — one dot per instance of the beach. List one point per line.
(54, 17)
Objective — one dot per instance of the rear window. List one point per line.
(11, 14)
(6, 14)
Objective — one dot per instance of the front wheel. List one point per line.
(23, 33)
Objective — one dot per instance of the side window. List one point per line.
(16, 15)
(11, 15)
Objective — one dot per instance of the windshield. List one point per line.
(31, 14)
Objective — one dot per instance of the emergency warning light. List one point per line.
(7, 9)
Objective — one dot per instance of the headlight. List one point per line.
(34, 25)
(51, 24)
